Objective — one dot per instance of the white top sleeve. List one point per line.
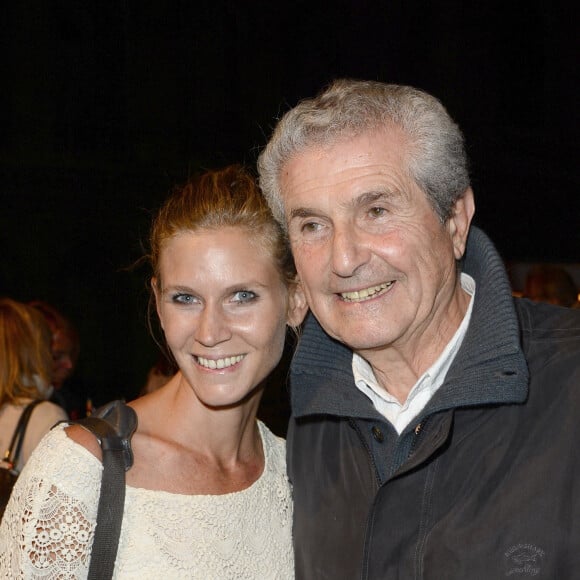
(48, 527)
(50, 519)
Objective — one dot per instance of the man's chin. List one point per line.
(360, 340)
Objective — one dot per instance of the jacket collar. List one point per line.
(490, 367)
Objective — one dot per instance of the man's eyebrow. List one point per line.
(374, 196)
(303, 212)
(366, 198)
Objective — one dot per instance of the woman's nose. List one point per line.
(213, 327)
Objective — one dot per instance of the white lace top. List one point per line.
(47, 529)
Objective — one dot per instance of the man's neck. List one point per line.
(398, 366)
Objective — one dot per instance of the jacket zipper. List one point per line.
(419, 430)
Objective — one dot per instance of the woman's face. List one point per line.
(223, 307)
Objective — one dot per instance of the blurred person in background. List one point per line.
(64, 343)
(26, 368)
(68, 392)
(551, 284)
(159, 374)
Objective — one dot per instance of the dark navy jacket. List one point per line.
(483, 485)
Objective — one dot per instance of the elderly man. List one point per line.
(436, 428)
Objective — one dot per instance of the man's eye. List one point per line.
(310, 227)
(244, 296)
(377, 211)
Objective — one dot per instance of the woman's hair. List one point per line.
(435, 152)
(228, 197)
(25, 355)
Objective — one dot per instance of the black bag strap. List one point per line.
(13, 452)
(113, 425)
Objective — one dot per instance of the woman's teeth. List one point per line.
(220, 363)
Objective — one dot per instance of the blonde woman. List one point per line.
(207, 496)
(25, 370)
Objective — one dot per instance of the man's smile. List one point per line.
(366, 293)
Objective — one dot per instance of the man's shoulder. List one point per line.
(540, 320)
(550, 337)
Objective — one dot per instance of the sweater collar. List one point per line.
(489, 368)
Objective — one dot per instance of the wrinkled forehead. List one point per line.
(389, 137)
(348, 158)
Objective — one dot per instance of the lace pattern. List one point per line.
(48, 527)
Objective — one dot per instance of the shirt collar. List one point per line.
(427, 385)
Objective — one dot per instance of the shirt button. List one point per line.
(378, 434)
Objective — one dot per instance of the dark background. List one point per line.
(106, 105)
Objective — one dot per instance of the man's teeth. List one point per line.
(220, 363)
(361, 295)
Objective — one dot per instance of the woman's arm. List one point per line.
(48, 526)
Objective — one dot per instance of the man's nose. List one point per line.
(348, 251)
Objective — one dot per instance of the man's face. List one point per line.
(63, 357)
(377, 266)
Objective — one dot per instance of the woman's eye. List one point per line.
(183, 299)
(244, 296)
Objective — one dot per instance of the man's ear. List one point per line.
(460, 220)
(157, 295)
(297, 306)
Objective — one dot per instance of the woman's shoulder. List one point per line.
(43, 417)
(271, 437)
(50, 411)
(274, 448)
(59, 473)
(43, 410)
(60, 460)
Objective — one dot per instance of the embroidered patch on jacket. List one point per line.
(523, 560)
